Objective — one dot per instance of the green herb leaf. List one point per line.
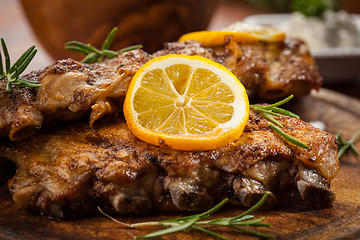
(109, 39)
(81, 47)
(1, 67)
(281, 102)
(130, 48)
(271, 119)
(93, 54)
(25, 63)
(6, 55)
(179, 227)
(273, 109)
(91, 57)
(346, 145)
(194, 222)
(13, 72)
(288, 137)
(24, 56)
(109, 53)
(284, 112)
(75, 49)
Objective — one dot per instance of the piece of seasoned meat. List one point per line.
(69, 90)
(269, 69)
(71, 170)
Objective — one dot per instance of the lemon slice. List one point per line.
(186, 103)
(239, 31)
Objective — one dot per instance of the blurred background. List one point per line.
(50, 24)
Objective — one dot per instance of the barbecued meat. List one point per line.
(69, 171)
(269, 69)
(71, 90)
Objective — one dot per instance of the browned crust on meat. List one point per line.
(66, 172)
(270, 69)
(69, 91)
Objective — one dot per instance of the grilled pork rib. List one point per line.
(71, 170)
(71, 90)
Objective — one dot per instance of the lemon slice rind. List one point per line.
(218, 136)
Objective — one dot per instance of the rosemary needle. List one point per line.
(195, 222)
(346, 145)
(12, 73)
(93, 54)
(267, 110)
(288, 137)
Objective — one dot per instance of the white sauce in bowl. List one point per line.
(334, 29)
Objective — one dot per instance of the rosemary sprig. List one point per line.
(93, 54)
(267, 110)
(12, 73)
(195, 222)
(346, 145)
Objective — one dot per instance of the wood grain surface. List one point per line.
(291, 220)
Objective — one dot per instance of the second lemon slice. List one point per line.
(186, 103)
(239, 31)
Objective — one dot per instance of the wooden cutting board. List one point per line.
(292, 220)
